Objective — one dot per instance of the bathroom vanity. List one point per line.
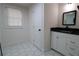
(65, 41)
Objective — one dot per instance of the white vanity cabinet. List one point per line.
(67, 44)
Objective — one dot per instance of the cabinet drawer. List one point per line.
(74, 38)
(72, 42)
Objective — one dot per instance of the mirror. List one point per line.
(69, 18)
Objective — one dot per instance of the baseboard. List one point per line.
(1, 50)
(57, 51)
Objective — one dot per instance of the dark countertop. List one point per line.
(74, 31)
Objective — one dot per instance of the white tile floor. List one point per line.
(27, 50)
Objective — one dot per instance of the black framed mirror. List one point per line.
(69, 18)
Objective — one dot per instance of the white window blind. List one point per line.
(14, 17)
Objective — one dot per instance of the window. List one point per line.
(14, 17)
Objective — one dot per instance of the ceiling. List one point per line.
(24, 4)
(21, 4)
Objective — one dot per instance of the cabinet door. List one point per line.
(54, 40)
(58, 42)
(61, 43)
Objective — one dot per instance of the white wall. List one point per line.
(0, 24)
(50, 20)
(14, 35)
(64, 8)
(36, 13)
(32, 21)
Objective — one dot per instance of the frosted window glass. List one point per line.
(14, 17)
